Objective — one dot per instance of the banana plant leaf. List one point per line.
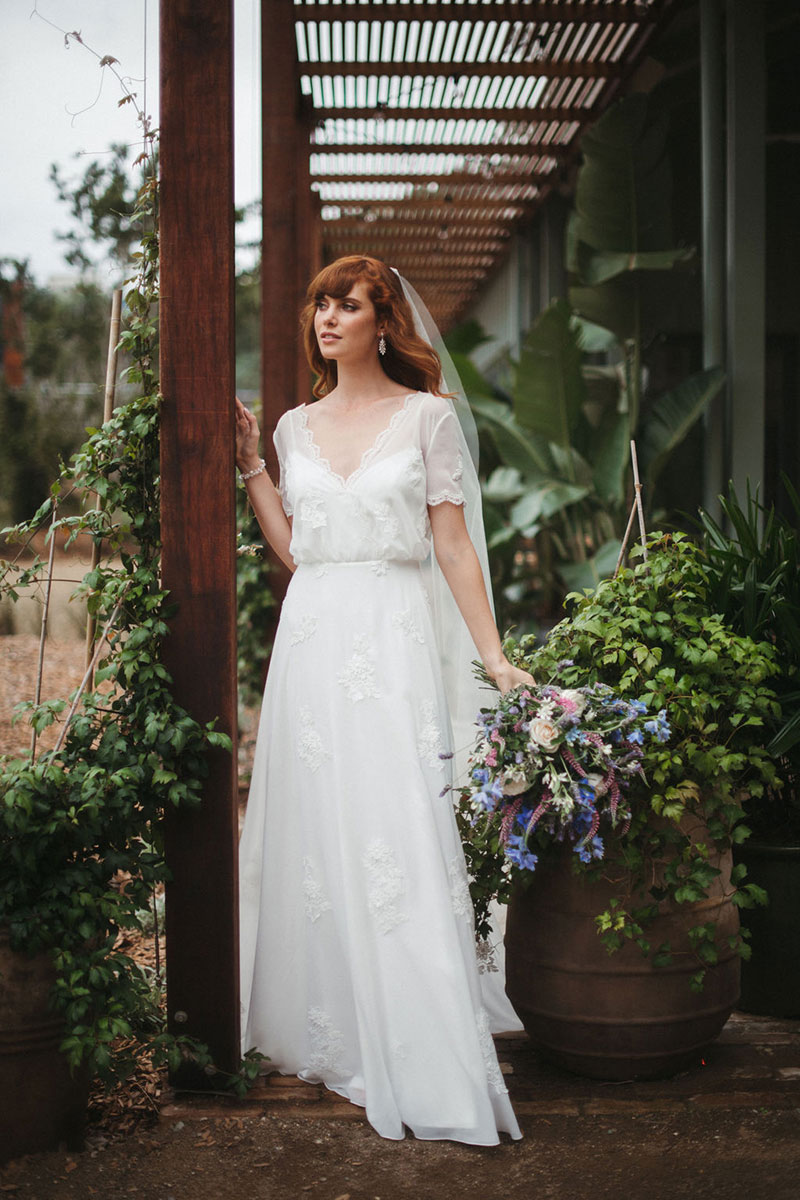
(549, 390)
(598, 266)
(542, 500)
(593, 339)
(613, 305)
(504, 483)
(671, 418)
(466, 337)
(516, 446)
(611, 457)
(624, 187)
(581, 575)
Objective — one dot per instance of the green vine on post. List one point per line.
(81, 848)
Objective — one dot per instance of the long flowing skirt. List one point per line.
(357, 941)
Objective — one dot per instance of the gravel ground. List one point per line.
(705, 1155)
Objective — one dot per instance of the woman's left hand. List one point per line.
(507, 676)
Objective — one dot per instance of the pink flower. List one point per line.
(491, 758)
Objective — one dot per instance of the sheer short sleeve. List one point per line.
(442, 451)
(279, 442)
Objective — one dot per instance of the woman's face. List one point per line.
(347, 327)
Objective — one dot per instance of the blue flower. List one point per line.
(638, 706)
(636, 736)
(586, 791)
(519, 854)
(659, 728)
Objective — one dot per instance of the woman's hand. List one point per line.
(507, 676)
(247, 438)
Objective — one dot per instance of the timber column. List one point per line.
(198, 511)
(284, 137)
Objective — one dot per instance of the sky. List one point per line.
(54, 107)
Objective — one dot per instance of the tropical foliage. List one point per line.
(754, 582)
(560, 491)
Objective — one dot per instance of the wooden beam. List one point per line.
(198, 512)
(532, 149)
(437, 221)
(566, 13)
(517, 115)
(460, 70)
(498, 177)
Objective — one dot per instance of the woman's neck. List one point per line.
(360, 384)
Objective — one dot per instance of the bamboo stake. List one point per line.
(636, 509)
(108, 408)
(638, 500)
(43, 632)
(89, 674)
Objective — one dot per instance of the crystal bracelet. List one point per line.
(262, 466)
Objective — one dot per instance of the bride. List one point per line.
(357, 945)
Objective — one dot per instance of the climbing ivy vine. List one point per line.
(81, 847)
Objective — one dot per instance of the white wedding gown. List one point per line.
(357, 944)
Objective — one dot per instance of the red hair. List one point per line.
(409, 360)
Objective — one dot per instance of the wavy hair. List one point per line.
(409, 360)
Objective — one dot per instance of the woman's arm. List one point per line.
(459, 563)
(261, 491)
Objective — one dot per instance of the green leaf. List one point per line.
(671, 418)
(598, 266)
(581, 575)
(516, 446)
(549, 388)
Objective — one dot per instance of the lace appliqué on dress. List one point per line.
(303, 628)
(357, 677)
(386, 885)
(389, 524)
(310, 747)
(404, 620)
(379, 567)
(429, 738)
(313, 896)
(326, 1044)
(459, 887)
(484, 953)
(494, 1075)
(312, 511)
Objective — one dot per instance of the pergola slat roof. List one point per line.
(438, 127)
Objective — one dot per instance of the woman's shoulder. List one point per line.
(433, 405)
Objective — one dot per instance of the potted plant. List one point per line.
(659, 887)
(754, 577)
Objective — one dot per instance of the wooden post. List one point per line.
(281, 129)
(304, 233)
(198, 511)
(281, 288)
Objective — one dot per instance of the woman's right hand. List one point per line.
(247, 438)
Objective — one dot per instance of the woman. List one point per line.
(357, 945)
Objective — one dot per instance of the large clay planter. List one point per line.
(613, 1016)
(41, 1104)
(771, 977)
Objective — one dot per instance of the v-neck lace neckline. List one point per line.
(370, 452)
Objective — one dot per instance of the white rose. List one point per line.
(514, 783)
(544, 734)
(576, 698)
(597, 783)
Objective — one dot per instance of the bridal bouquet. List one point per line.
(552, 764)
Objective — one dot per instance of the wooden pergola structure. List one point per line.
(423, 132)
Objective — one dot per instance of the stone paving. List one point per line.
(754, 1064)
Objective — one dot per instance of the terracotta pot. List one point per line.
(614, 1016)
(42, 1104)
(771, 977)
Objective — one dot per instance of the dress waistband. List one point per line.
(379, 565)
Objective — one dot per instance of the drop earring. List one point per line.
(381, 345)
